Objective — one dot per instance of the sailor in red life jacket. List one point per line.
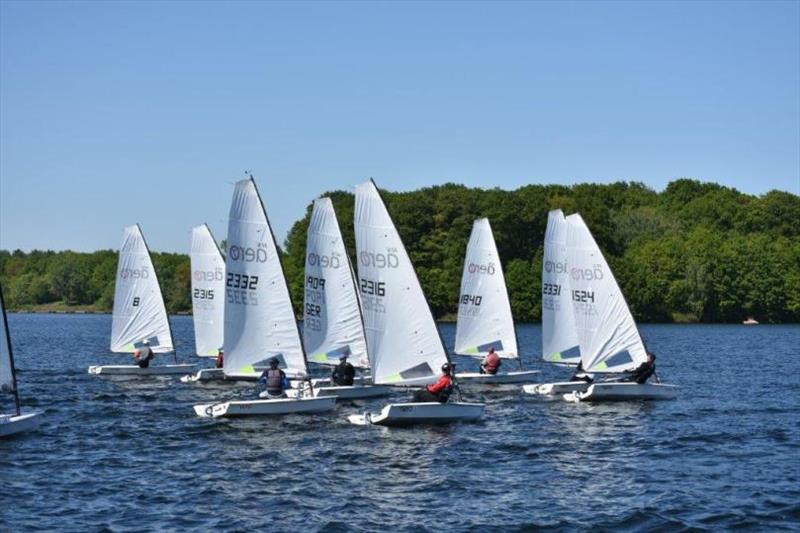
(439, 391)
(144, 355)
(491, 363)
(220, 358)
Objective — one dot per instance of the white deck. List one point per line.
(501, 378)
(562, 387)
(406, 414)
(612, 392)
(13, 424)
(134, 370)
(354, 392)
(280, 406)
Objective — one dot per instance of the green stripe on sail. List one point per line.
(394, 378)
(129, 347)
(472, 349)
(319, 358)
(600, 366)
(248, 370)
(555, 357)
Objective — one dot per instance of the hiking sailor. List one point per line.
(144, 355)
(439, 391)
(343, 374)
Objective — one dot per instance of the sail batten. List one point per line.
(139, 313)
(484, 310)
(559, 338)
(332, 325)
(208, 291)
(402, 338)
(259, 317)
(607, 333)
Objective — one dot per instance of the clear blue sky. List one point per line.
(113, 113)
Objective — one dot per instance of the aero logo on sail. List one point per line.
(379, 260)
(208, 275)
(247, 254)
(133, 273)
(481, 269)
(324, 261)
(587, 274)
(555, 267)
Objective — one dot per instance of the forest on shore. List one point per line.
(695, 252)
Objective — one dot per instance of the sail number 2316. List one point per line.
(373, 288)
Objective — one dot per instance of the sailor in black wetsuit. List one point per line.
(580, 375)
(343, 374)
(643, 372)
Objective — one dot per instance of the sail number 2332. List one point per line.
(240, 289)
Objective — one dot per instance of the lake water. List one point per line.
(131, 455)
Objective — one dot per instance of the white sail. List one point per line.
(332, 324)
(404, 345)
(607, 333)
(559, 338)
(208, 292)
(259, 318)
(139, 314)
(6, 362)
(484, 311)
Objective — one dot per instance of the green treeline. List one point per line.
(694, 252)
(60, 280)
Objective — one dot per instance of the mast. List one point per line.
(283, 274)
(169, 324)
(10, 352)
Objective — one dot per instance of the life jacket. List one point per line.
(492, 363)
(274, 380)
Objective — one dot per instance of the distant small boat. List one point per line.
(11, 424)
(750, 321)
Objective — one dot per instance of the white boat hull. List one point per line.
(550, 389)
(135, 370)
(355, 392)
(407, 414)
(280, 406)
(13, 424)
(326, 382)
(203, 375)
(501, 378)
(612, 392)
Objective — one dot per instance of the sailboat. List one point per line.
(139, 314)
(259, 317)
(610, 342)
(484, 310)
(332, 321)
(559, 337)
(208, 300)
(404, 344)
(11, 424)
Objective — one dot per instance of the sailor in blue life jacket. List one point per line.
(274, 380)
(343, 374)
(144, 355)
